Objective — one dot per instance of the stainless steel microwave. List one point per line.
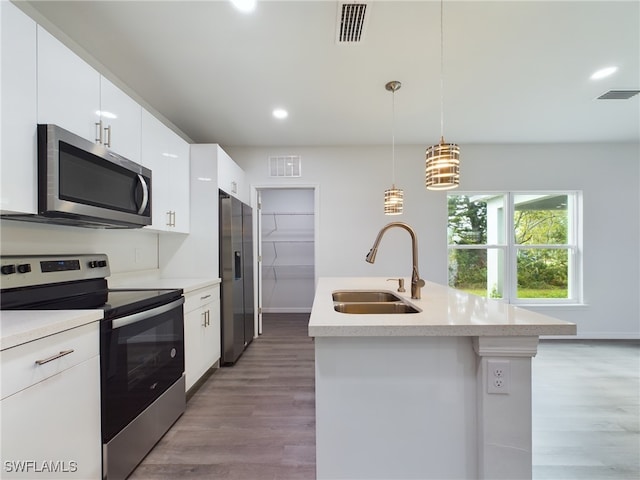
(84, 184)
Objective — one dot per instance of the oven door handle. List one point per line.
(139, 317)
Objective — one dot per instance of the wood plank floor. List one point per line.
(256, 420)
(586, 410)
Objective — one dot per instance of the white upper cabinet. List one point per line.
(167, 155)
(18, 173)
(231, 178)
(121, 120)
(74, 96)
(179, 186)
(68, 88)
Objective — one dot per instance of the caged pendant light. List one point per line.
(442, 167)
(393, 197)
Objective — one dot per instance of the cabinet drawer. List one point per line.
(33, 362)
(201, 297)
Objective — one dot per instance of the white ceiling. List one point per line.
(515, 71)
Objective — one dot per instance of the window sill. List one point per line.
(547, 306)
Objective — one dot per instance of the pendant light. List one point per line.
(393, 197)
(442, 160)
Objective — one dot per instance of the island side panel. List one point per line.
(396, 408)
(504, 427)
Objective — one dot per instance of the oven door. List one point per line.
(141, 356)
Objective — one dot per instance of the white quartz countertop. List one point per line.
(444, 311)
(22, 326)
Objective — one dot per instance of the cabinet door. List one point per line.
(193, 330)
(18, 175)
(178, 165)
(211, 347)
(167, 155)
(56, 421)
(68, 88)
(121, 121)
(231, 178)
(153, 156)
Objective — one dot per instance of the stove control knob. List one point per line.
(24, 268)
(102, 263)
(8, 269)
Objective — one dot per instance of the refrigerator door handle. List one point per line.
(237, 264)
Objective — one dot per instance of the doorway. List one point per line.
(286, 249)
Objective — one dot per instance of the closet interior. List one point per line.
(287, 223)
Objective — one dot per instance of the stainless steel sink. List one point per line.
(373, 308)
(370, 302)
(362, 296)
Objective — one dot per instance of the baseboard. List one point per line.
(205, 376)
(595, 336)
(286, 310)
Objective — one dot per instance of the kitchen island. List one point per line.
(442, 393)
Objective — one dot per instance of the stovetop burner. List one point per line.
(71, 282)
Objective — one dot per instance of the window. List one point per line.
(520, 247)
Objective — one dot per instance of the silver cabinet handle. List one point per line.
(171, 218)
(54, 357)
(99, 132)
(107, 136)
(207, 319)
(205, 297)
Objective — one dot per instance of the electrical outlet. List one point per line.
(498, 376)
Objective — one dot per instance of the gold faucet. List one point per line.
(416, 282)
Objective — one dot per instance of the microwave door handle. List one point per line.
(145, 194)
(139, 317)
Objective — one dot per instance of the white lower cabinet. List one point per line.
(51, 411)
(201, 332)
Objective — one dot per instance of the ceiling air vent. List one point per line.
(352, 20)
(618, 95)
(285, 166)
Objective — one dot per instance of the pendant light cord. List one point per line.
(393, 138)
(441, 71)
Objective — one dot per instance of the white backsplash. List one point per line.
(128, 250)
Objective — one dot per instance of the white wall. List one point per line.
(128, 250)
(352, 181)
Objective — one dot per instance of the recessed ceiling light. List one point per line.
(603, 72)
(245, 6)
(280, 113)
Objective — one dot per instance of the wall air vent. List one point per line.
(285, 166)
(352, 20)
(618, 95)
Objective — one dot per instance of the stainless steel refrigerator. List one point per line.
(236, 272)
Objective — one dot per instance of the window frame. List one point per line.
(510, 248)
